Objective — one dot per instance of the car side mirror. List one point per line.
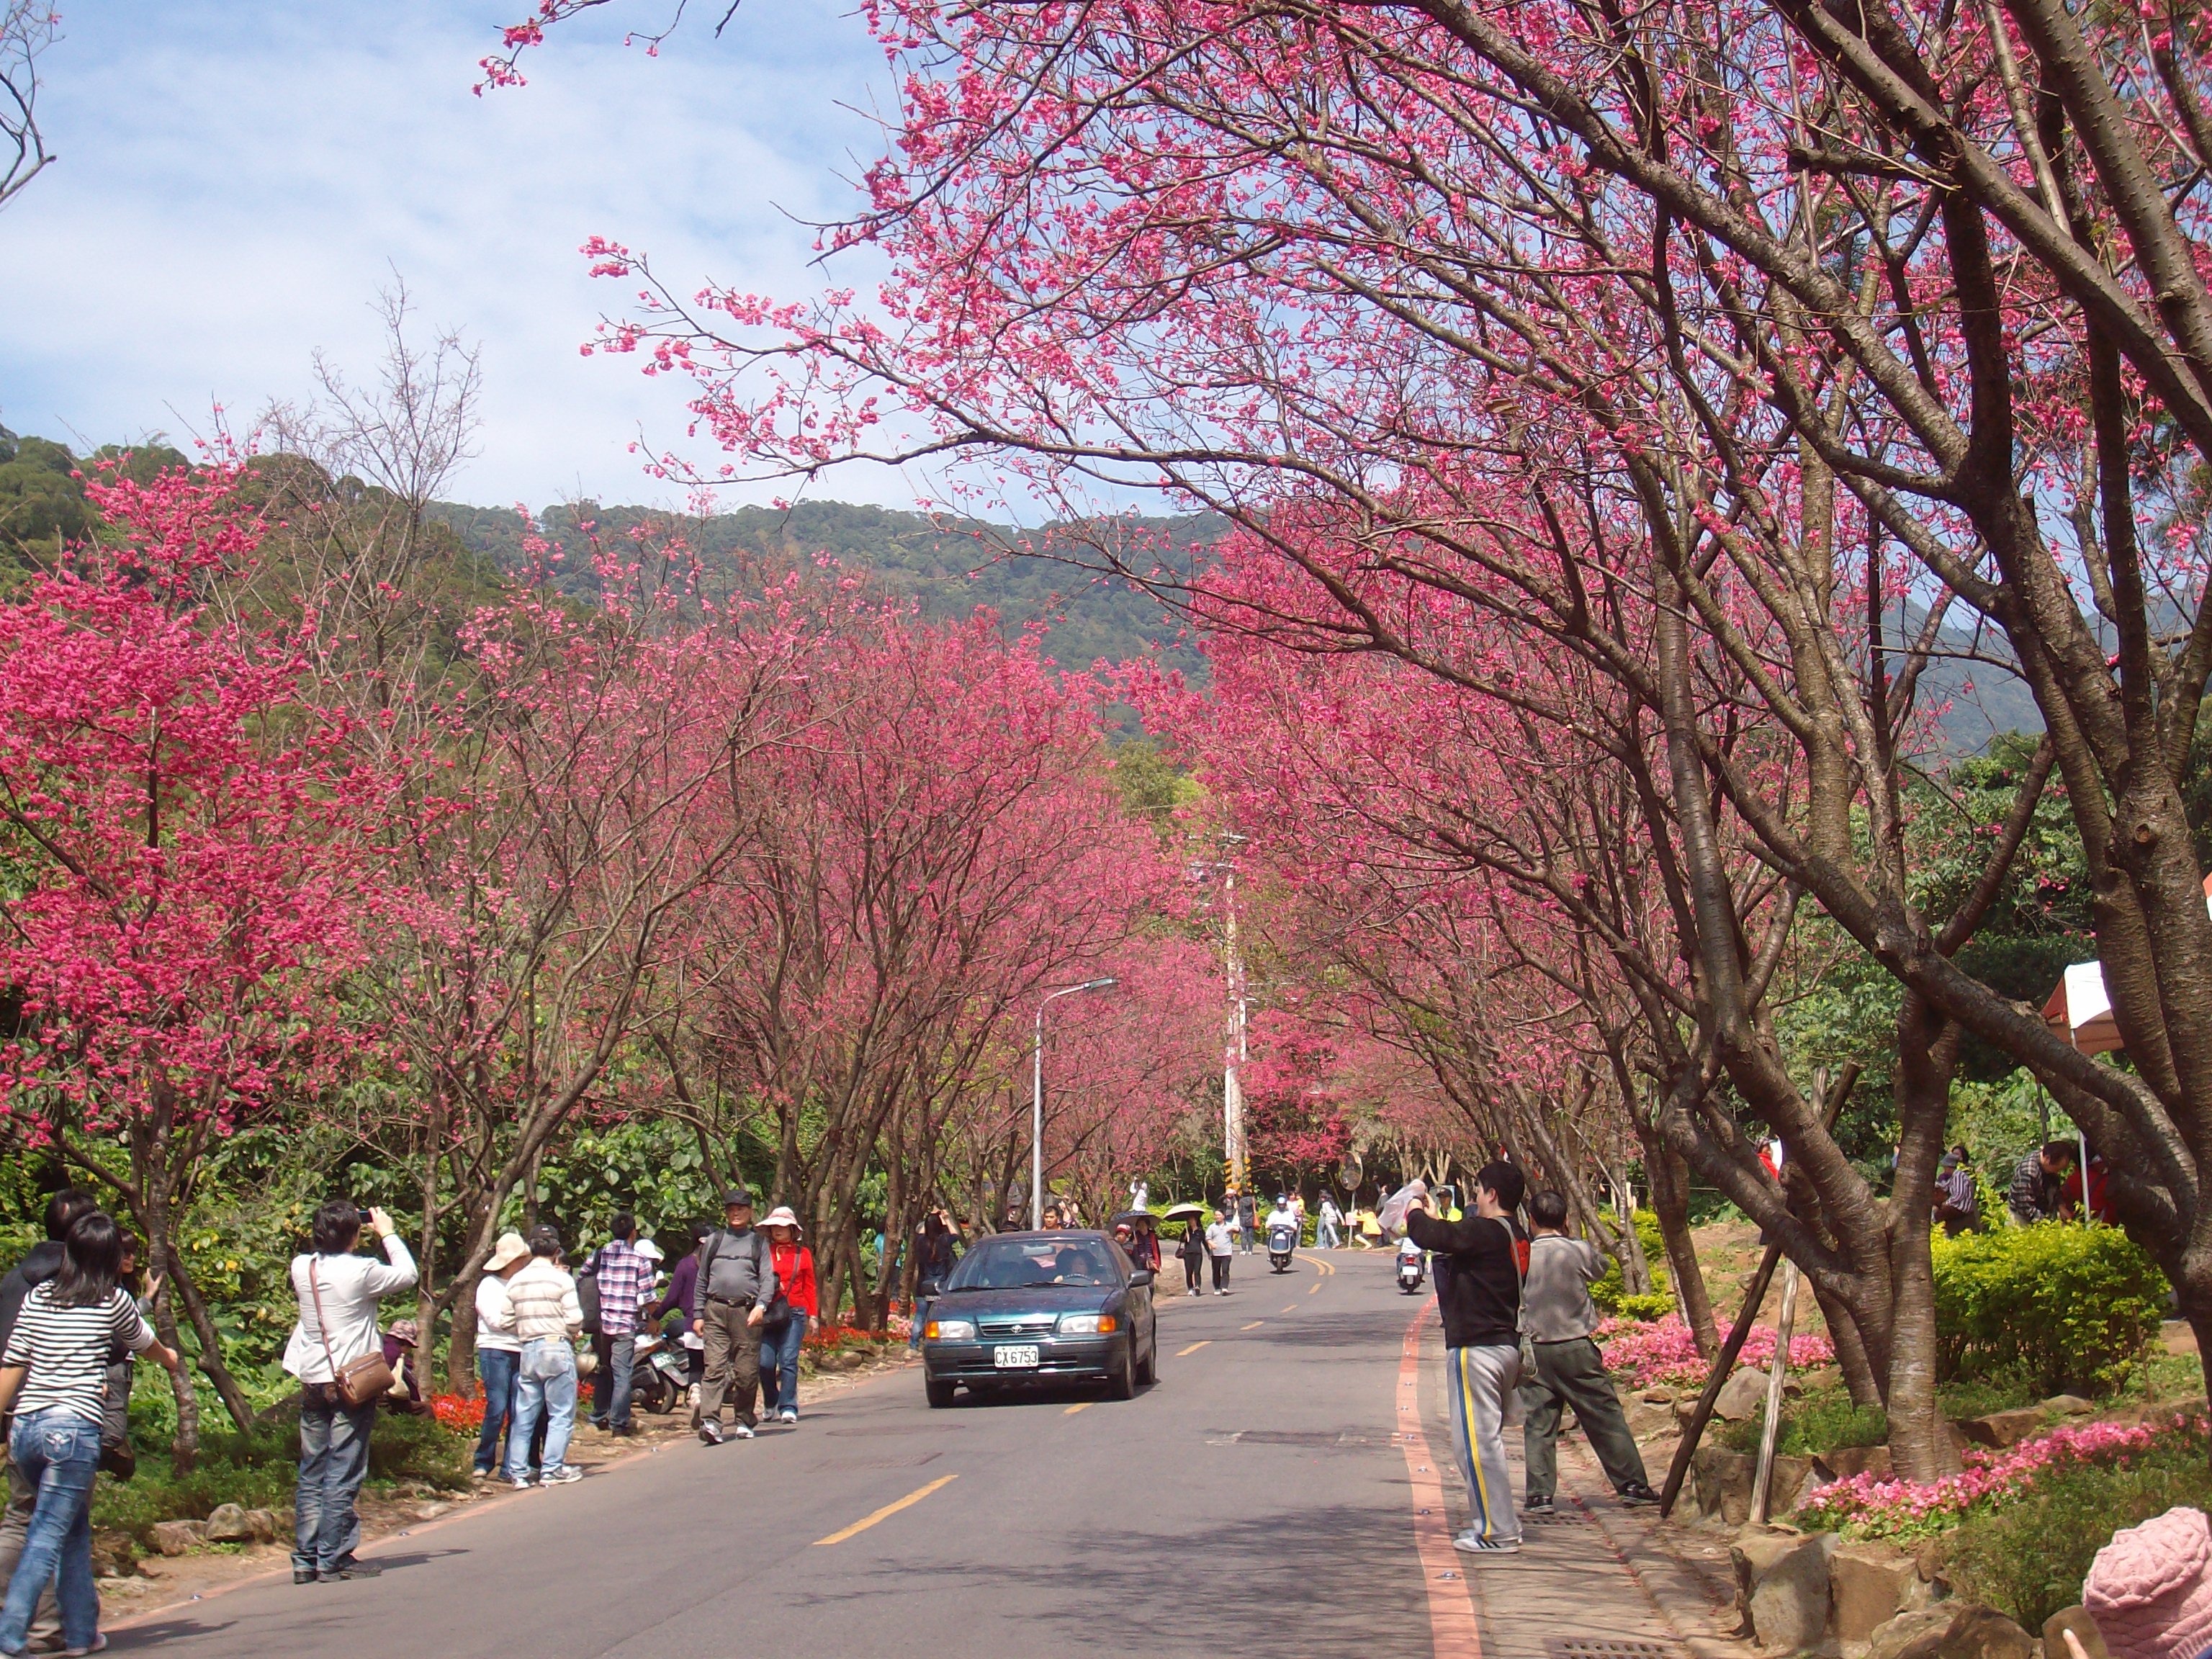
(1140, 1278)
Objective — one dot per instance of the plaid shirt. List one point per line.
(623, 1275)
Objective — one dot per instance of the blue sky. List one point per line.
(239, 177)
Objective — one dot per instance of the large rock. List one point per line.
(1951, 1630)
(178, 1537)
(1782, 1588)
(2003, 1429)
(2067, 1405)
(1844, 1462)
(1741, 1396)
(115, 1555)
(1723, 1483)
(266, 1525)
(227, 1523)
(2078, 1620)
(1871, 1583)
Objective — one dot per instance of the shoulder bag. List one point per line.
(360, 1381)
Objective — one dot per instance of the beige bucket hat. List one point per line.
(509, 1250)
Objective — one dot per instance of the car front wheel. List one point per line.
(941, 1394)
(1121, 1381)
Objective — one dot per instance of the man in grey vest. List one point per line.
(1560, 1320)
(737, 1282)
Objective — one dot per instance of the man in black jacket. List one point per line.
(1480, 1297)
(40, 1263)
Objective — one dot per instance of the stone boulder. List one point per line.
(1782, 1588)
(227, 1523)
(2078, 1620)
(115, 1555)
(1951, 1630)
(1844, 1462)
(2003, 1429)
(1741, 1396)
(178, 1537)
(1870, 1583)
(2067, 1405)
(265, 1524)
(1724, 1480)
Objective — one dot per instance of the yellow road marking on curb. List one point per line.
(887, 1511)
(1254, 1326)
(1194, 1348)
(1080, 1406)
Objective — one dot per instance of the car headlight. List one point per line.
(1087, 1324)
(950, 1330)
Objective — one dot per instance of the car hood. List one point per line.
(1050, 1298)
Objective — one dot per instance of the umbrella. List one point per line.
(1184, 1212)
(1132, 1217)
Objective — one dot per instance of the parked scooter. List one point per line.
(1282, 1241)
(661, 1372)
(1412, 1266)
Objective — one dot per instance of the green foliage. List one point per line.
(652, 1168)
(2028, 1558)
(2070, 1307)
(1823, 1421)
(1608, 1292)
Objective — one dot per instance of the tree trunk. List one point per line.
(211, 1361)
(1669, 1177)
(1851, 1349)
(185, 1448)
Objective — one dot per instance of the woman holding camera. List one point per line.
(336, 1333)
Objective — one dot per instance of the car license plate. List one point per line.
(1010, 1357)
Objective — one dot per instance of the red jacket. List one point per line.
(794, 1271)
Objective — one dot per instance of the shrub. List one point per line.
(1822, 1421)
(2070, 1307)
(2029, 1559)
(1608, 1292)
(412, 1448)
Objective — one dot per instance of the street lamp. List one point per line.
(1037, 1096)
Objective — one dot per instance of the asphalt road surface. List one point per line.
(1255, 1498)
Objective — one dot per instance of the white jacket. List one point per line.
(349, 1286)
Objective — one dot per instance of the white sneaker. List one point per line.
(788, 1414)
(691, 1396)
(520, 1483)
(564, 1476)
(1473, 1543)
(741, 1431)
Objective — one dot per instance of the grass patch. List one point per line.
(2028, 1558)
(1822, 1421)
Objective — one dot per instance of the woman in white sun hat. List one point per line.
(784, 1331)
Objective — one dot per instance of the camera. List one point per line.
(364, 1216)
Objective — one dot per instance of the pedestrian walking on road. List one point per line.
(737, 1283)
(498, 1350)
(39, 1264)
(1248, 1220)
(624, 1276)
(1481, 1300)
(1193, 1252)
(1325, 1229)
(1561, 1321)
(782, 1341)
(54, 1372)
(338, 1292)
(1220, 1240)
(548, 1319)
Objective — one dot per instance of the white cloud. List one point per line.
(238, 177)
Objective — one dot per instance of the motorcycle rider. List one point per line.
(1282, 1216)
(1409, 1252)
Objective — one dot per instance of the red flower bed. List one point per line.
(459, 1415)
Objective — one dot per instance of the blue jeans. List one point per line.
(779, 1360)
(1324, 1236)
(60, 1452)
(553, 1398)
(496, 1369)
(611, 1389)
(333, 1462)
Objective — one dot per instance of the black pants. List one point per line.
(1220, 1273)
(1193, 1265)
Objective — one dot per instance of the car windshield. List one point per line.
(1027, 1264)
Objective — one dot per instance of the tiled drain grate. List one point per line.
(1555, 1519)
(1609, 1647)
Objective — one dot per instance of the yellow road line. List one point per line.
(1254, 1326)
(1293, 1308)
(1080, 1406)
(1316, 1291)
(887, 1511)
(1194, 1348)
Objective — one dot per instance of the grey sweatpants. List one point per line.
(1572, 1373)
(1476, 1383)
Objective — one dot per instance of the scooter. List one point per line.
(1282, 1241)
(661, 1372)
(1413, 1266)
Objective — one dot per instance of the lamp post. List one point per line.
(1036, 1095)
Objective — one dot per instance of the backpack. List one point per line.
(588, 1295)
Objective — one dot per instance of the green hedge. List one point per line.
(1613, 1298)
(2066, 1306)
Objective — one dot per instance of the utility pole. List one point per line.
(1233, 1050)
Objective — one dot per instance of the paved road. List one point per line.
(1256, 1489)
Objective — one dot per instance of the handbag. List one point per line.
(360, 1381)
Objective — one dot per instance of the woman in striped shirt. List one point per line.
(54, 1373)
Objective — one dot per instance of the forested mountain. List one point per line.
(949, 567)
